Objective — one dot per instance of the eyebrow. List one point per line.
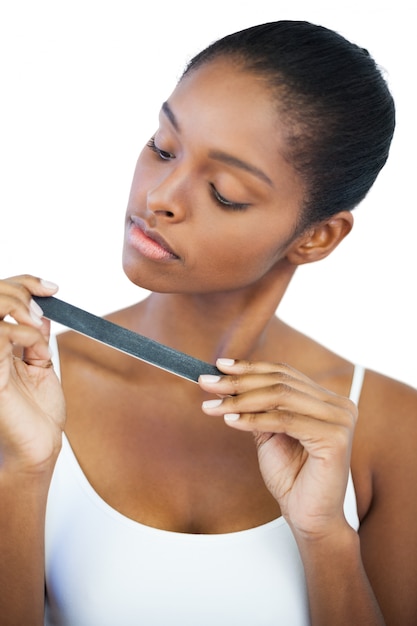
(229, 159)
(218, 155)
(170, 115)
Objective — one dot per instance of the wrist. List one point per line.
(22, 469)
(335, 537)
(338, 588)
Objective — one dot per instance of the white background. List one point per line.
(81, 85)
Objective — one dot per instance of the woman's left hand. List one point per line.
(303, 435)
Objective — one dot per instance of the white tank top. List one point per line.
(104, 569)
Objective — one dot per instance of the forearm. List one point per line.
(22, 523)
(338, 588)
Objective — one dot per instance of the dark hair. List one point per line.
(338, 107)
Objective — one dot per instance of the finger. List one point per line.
(16, 298)
(285, 398)
(322, 437)
(24, 336)
(301, 427)
(279, 381)
(325, 440)
(31, 354)
(235, 366)
(241, 377)
(23, 312)
(33, 284)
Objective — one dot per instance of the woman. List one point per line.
(257, 497)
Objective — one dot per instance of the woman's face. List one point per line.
(213, 205)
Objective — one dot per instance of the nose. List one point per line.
(168, 197)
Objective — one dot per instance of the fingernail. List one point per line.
(35, 308)
(36, 318)
(209, 378)
(211, 404)
(226, 362)
(48, 284)
(231, 417)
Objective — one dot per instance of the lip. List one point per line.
(149, 242)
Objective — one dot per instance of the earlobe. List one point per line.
(320, 240)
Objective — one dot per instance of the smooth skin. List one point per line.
(274, 435)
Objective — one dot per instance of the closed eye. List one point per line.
(229, 204)
(163, 154)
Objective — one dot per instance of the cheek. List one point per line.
(142, 177)
(235, 256)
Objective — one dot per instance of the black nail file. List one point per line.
(125, 340)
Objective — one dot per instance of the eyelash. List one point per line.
(219, 199)
(227, 204)
(163, 154)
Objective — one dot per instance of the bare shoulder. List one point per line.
(93, 375)
(381, 389)
(384, 462)
(387, 416)
(384, 469)
(384, 459)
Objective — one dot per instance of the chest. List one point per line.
(151, 453)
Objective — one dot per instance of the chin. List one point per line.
(146, 280)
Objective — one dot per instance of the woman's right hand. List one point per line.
(32, 407)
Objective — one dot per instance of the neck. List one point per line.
(233, 324)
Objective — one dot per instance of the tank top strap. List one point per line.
(53, 344)
(357, 382)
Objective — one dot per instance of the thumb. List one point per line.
(39, 354)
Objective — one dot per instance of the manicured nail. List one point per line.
(35, 308)
(209, 378)
(48, 284)
(231, 417)
(226, 362)
(211, 404)
(36, 318)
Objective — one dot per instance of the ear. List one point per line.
(318, 241)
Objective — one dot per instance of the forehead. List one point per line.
(226, 102)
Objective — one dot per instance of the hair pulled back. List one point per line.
(337, 107)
